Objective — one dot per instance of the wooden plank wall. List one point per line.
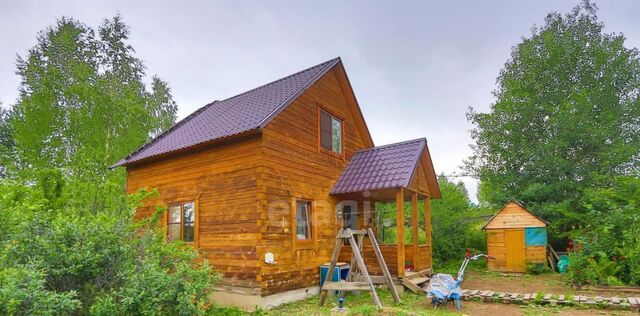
(536, 254)
(496, 248)
(223, 180)
(390, 256)
(245, 191)
(295, 167)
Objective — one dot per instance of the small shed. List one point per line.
(515, 237)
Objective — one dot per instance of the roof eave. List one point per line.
(229, 138)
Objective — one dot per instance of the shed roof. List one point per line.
(514, 215)
(383, 167)
(247, 111)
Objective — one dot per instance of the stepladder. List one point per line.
(357, 267)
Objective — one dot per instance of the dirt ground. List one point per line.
(482, 309)
(417, 304)
(549, 283)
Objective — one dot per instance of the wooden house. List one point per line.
(256, 183)
(515, 237)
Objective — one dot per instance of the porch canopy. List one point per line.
(397, 172)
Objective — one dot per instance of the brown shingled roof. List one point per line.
(383, 167)
(250, 110)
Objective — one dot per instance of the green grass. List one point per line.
(411, 304)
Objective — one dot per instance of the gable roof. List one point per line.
(513, 201)
(383, 167)
(250, 110)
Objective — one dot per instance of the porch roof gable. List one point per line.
(384, 167)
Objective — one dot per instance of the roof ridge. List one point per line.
(306, 78)
(281, 79)
(393, 144)
(327, 66)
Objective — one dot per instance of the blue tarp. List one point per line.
(535, 236)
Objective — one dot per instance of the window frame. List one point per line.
(195, 222)
(303, 243)
(340, 154)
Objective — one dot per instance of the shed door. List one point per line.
(514, 244)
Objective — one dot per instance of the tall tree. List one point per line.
(450, 228)
(566, 115)
(83, 103)
(6, 141)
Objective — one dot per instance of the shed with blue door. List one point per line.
(515, 237)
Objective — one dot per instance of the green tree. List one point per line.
(450, 227)
(609, 245)
(567, 112)
(83, 105)
(6, 141)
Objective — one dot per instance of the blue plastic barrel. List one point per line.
(339, 272)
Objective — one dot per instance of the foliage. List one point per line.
(70, 244)
(449, 224)
(6, 141)
(537, 268)
(59, 259)
(566, 113)
(538, 298)
(579, 273)
(23, 291)
(609, 251)
(82, 106)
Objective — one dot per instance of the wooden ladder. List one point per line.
(356, 247)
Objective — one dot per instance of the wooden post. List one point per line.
(363, 269)
(400, 230)
(334, 259)
(414, 229)
(383, 265)
(427, 226)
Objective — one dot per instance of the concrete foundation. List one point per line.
(251, 302)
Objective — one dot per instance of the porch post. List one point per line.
(400, 230)
(414, 228)
(427, 226)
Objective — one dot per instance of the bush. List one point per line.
(537, 268)
(59, 259)
(609, 247)
(23, 291)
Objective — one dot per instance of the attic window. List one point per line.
(330, 132)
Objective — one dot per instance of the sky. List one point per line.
(415, 66)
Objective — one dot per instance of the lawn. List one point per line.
(476, 278)
(414, 304)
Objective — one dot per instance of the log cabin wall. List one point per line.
(223, 181)
(295, 167)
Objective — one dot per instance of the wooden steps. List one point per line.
(417, 281)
